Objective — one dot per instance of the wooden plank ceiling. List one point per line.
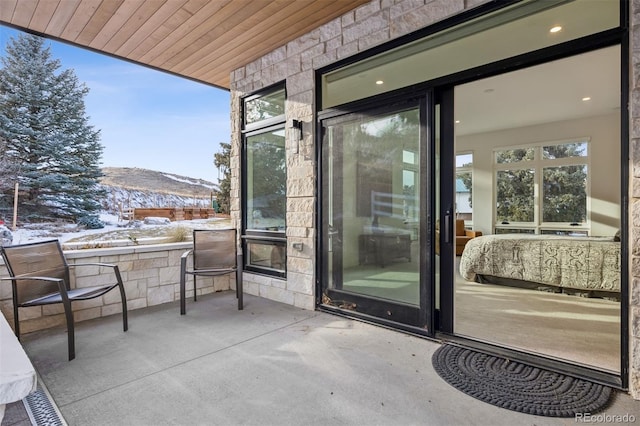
(202, 40)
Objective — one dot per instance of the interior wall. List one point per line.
(603, 169)
(354, 225)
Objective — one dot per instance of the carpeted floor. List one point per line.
(584, 330)
(569, 327)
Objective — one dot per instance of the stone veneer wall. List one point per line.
(358, 30)
(151, 276)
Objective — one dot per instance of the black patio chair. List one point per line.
(39, 275)
(214, 253)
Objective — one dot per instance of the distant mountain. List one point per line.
(136, 187)
(154, 181)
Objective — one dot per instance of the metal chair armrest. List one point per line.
(186, 254)
(62, 289)
(107, 265)
(36, 278)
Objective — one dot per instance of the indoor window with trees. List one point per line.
(464, 187)
(542, 189)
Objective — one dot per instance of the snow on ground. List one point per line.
(113, 229)
(189, 181)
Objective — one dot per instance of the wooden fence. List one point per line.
(174, 213)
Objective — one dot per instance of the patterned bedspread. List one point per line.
(584, 263)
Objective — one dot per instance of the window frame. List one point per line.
(249, 236)
(538, 164)
(271, 121)
(468, 223)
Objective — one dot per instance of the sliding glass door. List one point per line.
(372, 212)
(489, 211)
(540, 180)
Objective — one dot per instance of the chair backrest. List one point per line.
(43, 259)
(460, 227)
(214, 249)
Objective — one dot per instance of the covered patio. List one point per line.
(269, 364)
(273, 363)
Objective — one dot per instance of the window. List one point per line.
(410, 175)
(510, 31)
(542, 189)
(515, 191)
(264, 183)
(262, 108)
(464, 187)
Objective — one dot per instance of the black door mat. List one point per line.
(516, 386)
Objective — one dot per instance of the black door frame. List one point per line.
(441, 321)
(397, 315)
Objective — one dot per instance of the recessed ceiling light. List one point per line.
(457, 121)
(555, 29)
(586, 98)
(379, 82)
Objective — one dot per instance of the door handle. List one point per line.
(448, 224)
(333, 234)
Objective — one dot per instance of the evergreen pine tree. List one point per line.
(55, 151)
(222, 161)
(8, 172)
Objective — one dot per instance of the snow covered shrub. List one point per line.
(90, 222)
(6, 237)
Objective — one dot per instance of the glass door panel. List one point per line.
(371, 214)
(544, 277)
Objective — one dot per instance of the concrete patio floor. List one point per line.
(270, 364)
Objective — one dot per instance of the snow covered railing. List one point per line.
(83, 245)
(150, 273)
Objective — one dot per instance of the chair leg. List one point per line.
(14, 299)
(195, 295)
(71, 340)
(123, 297)
(16, 322)
(239, 291)
(183, 268)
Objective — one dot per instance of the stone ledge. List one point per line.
(111, 251)
(151, 276)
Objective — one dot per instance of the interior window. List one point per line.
(464, 188)
(543, 186)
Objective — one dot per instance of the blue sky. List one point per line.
(147, 118)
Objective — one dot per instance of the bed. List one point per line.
(589, 265)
